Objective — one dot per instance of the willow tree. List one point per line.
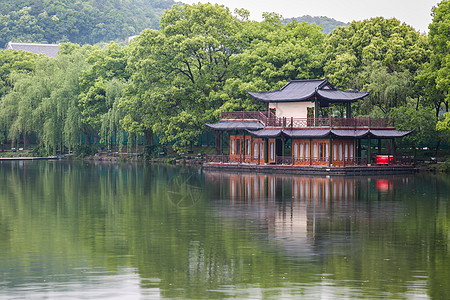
(177, 70)
(111, 130)
(26, 96)
(39, 102)
(56, 111)
(13, 65)
(107, 67)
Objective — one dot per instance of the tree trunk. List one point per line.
(24, 136)
(438, 108)
(437, 147)
(149, 137)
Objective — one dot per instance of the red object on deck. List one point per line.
(384, 159)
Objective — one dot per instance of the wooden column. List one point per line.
(316, 110)
(221, 142)
(243, 148)
(393, 147)
(359, 147)
(330, 152)
(266, 150)
(310, 151)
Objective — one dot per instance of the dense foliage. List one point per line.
(82, 22)
(328, 24)
(169, 82)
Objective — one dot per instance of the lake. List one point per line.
(81, 230)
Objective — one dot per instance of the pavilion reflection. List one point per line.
(250, 189)
(302, 211)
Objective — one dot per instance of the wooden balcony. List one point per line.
(270, 120)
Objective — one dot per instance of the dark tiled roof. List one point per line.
(341, 95)
(308, 90)
(351, 133)
(321, 133)
(307, 133)
(269, 133)
(236, 125)
(388, 133)
(50, 50)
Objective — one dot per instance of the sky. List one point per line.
(416, 13)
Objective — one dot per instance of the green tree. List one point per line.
(443, 127)
(177, 71)
(110, 127)
(388, 89)
(275, 53)
(82, 22)
(14, 61)
(108, 67)
(426, 87)
(377, 54)
(419, 118)
(39, 103)
(439, 39)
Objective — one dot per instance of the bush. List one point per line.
(86, 150)
(39, 151)
(445, 167)
(154, 151)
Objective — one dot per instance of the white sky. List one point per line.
(416, 13)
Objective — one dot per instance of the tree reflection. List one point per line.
(190, 234)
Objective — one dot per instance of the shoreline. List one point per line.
(29, 158)
(200, 162)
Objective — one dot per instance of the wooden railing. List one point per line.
(270, 120)
(283, 160)
(262, 116)
(225, 158)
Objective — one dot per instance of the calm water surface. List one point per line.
(99, 231)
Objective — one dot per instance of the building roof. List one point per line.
(321, 133)
(388, 133)
(308, 90)
(307, 133)
(50, 50)
(269, 133)
(350, 133)
(236, 125)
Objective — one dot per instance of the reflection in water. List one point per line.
(371, 232)
(81, 230)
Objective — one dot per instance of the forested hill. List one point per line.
(77, 21)
(328, 24)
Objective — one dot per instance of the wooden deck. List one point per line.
(311, 170)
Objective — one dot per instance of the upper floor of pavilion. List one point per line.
(298, 105)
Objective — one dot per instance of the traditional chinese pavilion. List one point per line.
(292, 122)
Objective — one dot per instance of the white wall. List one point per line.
(291, 109)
